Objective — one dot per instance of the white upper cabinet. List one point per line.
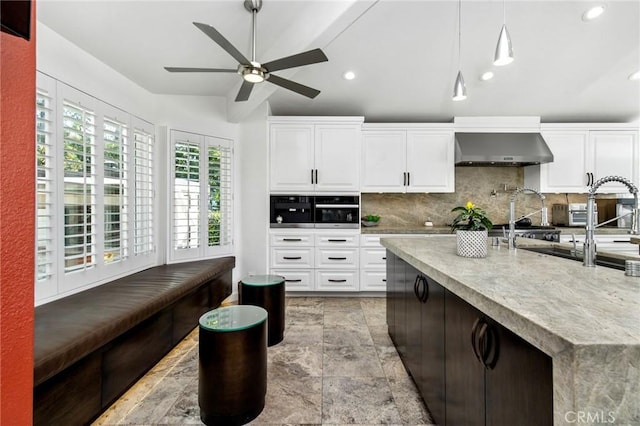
(582, 156)
(314, 154)
(407, 159)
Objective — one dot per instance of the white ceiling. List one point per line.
(403, 52)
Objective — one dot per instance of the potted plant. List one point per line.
(471, 225)
(370, 220)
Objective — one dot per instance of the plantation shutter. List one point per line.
(186, 195)
(220, 213)
(116, 190)
(79, 165)
(144, 193)
(45, 185)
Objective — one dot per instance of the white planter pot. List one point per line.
(472, 243)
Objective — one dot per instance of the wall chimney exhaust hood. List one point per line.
(501, 149)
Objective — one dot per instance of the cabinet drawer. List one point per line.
(336, 240)
(291, 239)
(337, 258)
(337, 280)
(373, 280)
(370, 241)
(292, 258)
(296, 280)
(375, 258)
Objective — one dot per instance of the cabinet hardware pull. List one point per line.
(293, 281)
(337, 258)
(483, 347)
(292, 239)
(311, 176)
(337, 281)
(415, 286)
(474, 330)
(292, 257)
(408, 178)
(493, 348)
(316, 176)
(404, 178)
(384, 280)
(425, 293)
(384, 257)
(337, 240)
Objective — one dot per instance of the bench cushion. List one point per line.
(70, 328)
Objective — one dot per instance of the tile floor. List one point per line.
(336, 365)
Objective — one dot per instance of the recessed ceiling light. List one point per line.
(593, 13)
(349, 75)
(487, 76)
(635, 76)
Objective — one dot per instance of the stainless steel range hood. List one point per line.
(501, 149)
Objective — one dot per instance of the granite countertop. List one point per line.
(586, 319)
(441, 229)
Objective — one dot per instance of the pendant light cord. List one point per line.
(459, 37)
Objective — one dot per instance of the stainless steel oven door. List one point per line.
(337, 212)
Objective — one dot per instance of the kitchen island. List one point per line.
(586, 319)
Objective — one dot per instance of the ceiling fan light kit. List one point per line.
(254, 72)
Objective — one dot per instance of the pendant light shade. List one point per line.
(504, 49)
(459, 89)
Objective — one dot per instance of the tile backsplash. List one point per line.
(488, 187)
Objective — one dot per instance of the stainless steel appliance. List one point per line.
(547, 233)
(624, 206)
(291, 211)
(572, 214)
(340, 211)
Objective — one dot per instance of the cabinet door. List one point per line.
(391, 295)
(519, 389)
(337, 157)
(571, 162)
(430, 161)
(412, 280)
(291, 157)
(464, 374)
(432, 377)
(383, 161)
(615, 153)
(399, 335)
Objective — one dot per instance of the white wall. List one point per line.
(254, 194)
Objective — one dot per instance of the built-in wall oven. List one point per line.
(315, 211)
(341, 211)
(291, 211)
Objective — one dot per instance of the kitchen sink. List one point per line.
(601, 260)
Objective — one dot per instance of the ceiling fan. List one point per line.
(254, 72)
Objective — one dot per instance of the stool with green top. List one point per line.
(232, 364)
(266, 291)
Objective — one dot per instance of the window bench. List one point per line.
(92, 346)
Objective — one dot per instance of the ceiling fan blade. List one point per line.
(292, 85)
(223, 42)
(244, 92)
(306, 58)
(181, 69)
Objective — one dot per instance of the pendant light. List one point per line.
(459, 89)
(504, 49)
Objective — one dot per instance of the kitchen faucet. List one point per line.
(512, 214)
(589, 258)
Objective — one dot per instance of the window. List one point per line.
(95, 191)
(202, 202)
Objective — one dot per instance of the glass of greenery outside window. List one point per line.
(471, 227)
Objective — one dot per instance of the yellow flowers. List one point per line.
(470, 217)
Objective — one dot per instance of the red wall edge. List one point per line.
(17, 225)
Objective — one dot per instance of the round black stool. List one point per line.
(266, 291)
(232, 365)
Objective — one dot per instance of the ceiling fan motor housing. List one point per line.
(252, 5)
